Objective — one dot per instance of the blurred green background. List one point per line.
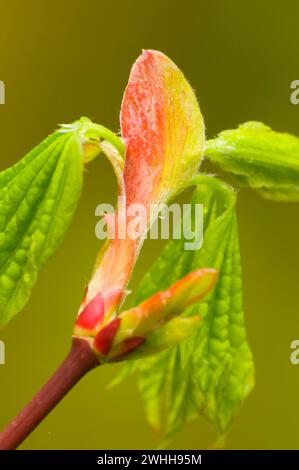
(63, 59)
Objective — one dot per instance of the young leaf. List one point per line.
(258, 157)
(163, 131)
(38, 196)
(151, 326)
(212, 371)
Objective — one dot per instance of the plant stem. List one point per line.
(78, 362)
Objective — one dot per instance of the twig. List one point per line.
(78, 362)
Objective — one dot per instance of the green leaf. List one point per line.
(169, 334)
(38, 196)
(258, 157)
(211, 372)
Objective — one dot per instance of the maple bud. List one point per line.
(163, 134)
(150, 326)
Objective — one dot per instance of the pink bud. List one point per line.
(104, 339)
(92, 314)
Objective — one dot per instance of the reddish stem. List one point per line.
(78, 362)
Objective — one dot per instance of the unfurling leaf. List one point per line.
(163, 131)
(38, 196)
(173, 332)
(259, 157)
(211, 372)
(147, 328)
(156, 319)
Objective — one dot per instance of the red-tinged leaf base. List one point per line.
(92, 314)
(104, 339)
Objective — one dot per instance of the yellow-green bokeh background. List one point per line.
(63, 59)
